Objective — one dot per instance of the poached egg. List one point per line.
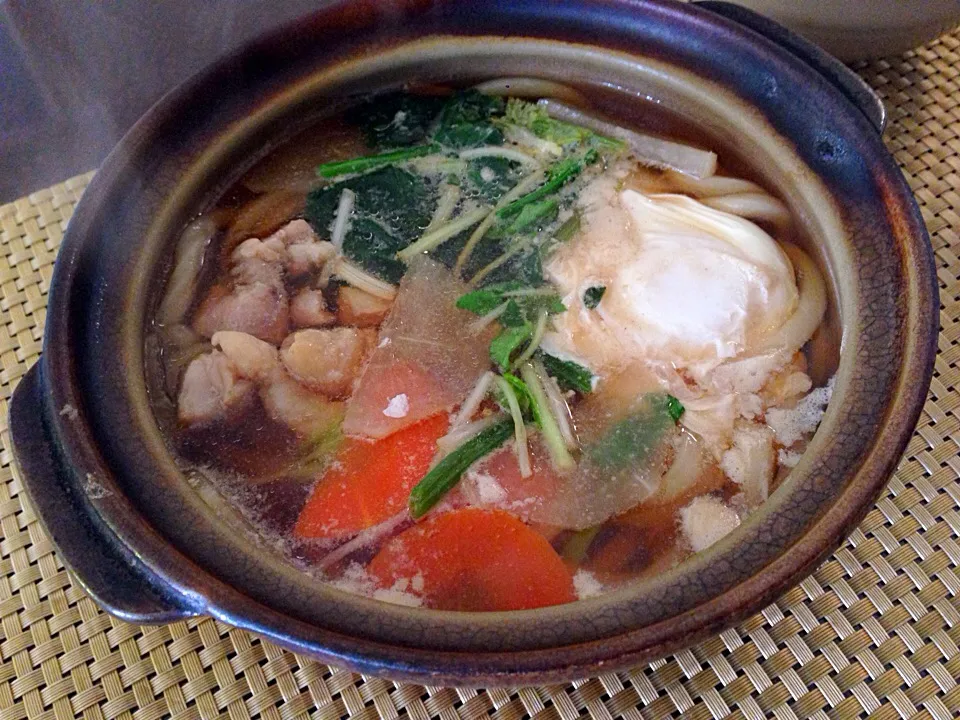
(686, 285)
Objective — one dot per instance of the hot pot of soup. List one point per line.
(482, 343)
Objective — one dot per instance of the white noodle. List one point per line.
(188, 261)
(653, 150)
(525, 87)
(445, 207)
(472, 403)
(342, 222)
(362, 280)
(753, 206)
(810, 308)
(501, 152)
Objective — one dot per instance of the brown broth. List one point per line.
(258, 462)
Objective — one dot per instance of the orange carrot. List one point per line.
(369, 482)
(474, 559)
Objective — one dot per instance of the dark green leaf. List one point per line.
(399, 200)
(513, 316)
(468, 135)
(480, 302)
(675, 408)
(374, 249)
(502, 174)
(634, 438)
(504, 345)
(569, 375)
(593, 295)
(395, 119)
(466, 120)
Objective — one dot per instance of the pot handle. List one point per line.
(112, 576)
(839, 75)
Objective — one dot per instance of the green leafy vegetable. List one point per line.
(675, 408)
(593, 295)
(569, 375)
(544, 417)
(373, 248)
(504, 345)
(480, 302)
(369, 162)
(560, 174)
(396, 119)
(524, 398)
(492, 177)
(398, 199)
(447, 473)
(513, 315)
(535, 119)
(569, 228)
(631, 440)
(466, 120)
(391, 208)
(535, 214)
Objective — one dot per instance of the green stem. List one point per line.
(361, 164)
(439, 236)
(558, 176)
(559, 455)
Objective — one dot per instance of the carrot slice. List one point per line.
(369, 482)
(475, 560)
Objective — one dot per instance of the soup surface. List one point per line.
(472, 351)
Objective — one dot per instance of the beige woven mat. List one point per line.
(873, 633)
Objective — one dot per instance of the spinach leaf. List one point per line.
(398, 199)
(593, 295)
(466, 120)
(569, 375)
(395, 119)
(373, 248)
(513, 315)
(491, 177)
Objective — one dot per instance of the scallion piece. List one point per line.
(447, 473)
(362, 164)
(559, 175)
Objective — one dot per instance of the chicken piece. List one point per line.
(707, 520)
(327, 360)
(306, 257)
(309, 309)
(211, 388)
(359, 308)
(259, 309)
(304, 411)
(250, 357)
(262, 216)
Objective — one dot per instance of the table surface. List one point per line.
(874, 632)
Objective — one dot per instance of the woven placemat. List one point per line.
(873, 633)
